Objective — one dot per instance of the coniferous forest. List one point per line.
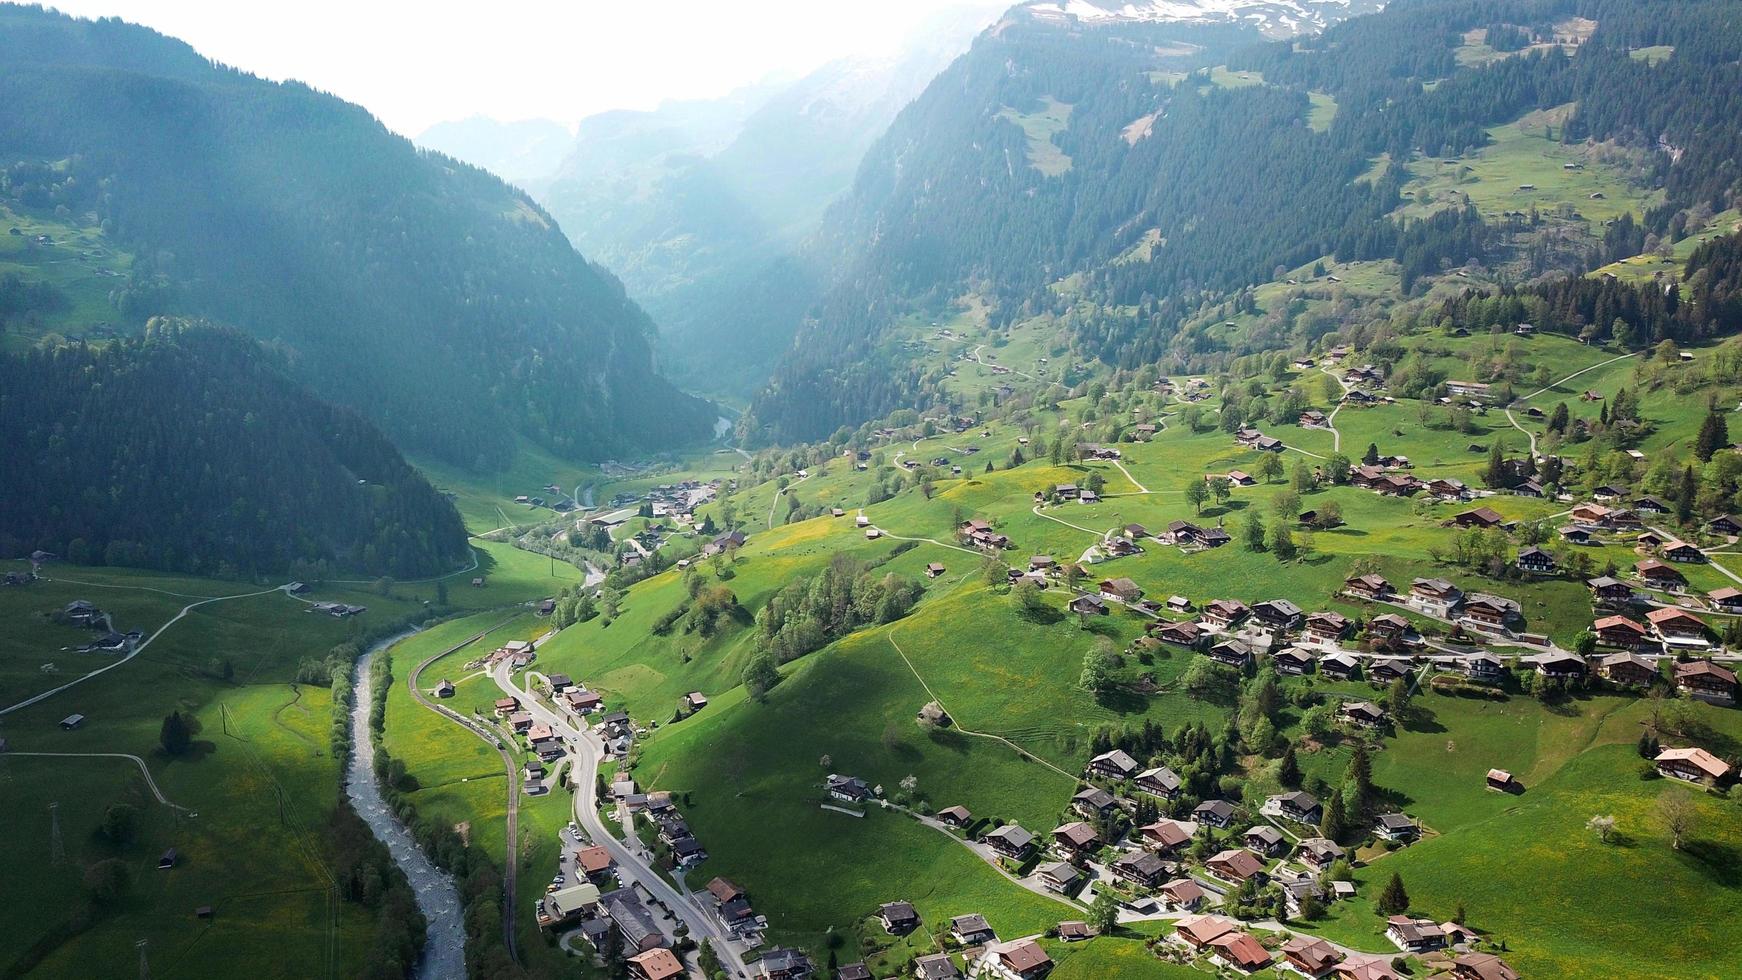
(190, 449)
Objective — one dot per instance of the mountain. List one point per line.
(515, 151)
(425, 293)
(700, 206)
(1125, 181)
(189, 448)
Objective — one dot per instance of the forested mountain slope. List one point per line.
(189, 449)
(425, 293)
(1115, 166)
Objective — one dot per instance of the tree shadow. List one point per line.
(1717, 861)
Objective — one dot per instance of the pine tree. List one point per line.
(1714, 435)
(1289, 772)
(1333, 823)
(1394, 900)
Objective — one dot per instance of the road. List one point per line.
(149, 781)
(586, 750)
(510, 862)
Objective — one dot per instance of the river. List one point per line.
(444, 952)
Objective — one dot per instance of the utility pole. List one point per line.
(57, 852)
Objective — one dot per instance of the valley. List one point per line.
(1150, 490)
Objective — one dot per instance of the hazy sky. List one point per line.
(417, 64)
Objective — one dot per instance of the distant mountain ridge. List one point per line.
(423, 292)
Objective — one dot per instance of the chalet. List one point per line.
(1235, 864)
(1415, 935)
(1310, 955)
(1396, 827)
(1319, 854)
(1622, 633)
(955, 816)
(898, 918)
(1435, 596)
(1120, 590)
(1094, 802)
(655, 964)
(1386, 671)
(1023, 959)
(1444, 488)
(782, 963)
(1678, 627)
(1074, 930)
(1727, 599)
(1481, 667)
(1179, 634)
(1293, 661)
(848, 789)
(1182, 895)
(1724, 525)
(1482, 517)
(1277, 614)
(1482, 966)
(1010, 841)
(1160, 782)
(1224, 613)
(972, 930)
(1327, 627)
(1389, 627)
(1299, 806)
(1694, 765)
(1059, 877)
(1216, 813)
(1339, 666)
(1364, 968)
(1608, 591)
(1116, 764)
(1088, 605)
(1629, 668)
(1240, 951)
(1232, 653)
(1264, 839)
(1140, 868)
(1536, 561)
(1165, 836)
(1363, 714)
(1198, 931)
(1559, 664)
(1576, 535)
(1706, 681)
(1490, 611)
(1370, 587)
(1660, 576)
(1649, 504)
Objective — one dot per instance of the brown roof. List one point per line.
(1697, 757)
(1023, 955)
(657, 964)
(1241, 949)
(1200, 929)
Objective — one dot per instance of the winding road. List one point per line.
(586, 751)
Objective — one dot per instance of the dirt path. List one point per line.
(1019, 750)
(149, 781)
(137, 650)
